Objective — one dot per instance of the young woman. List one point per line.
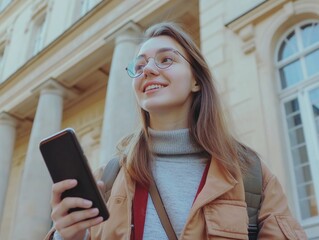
(184, 146)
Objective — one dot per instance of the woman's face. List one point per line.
(164, 92)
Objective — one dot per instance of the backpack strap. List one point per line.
(253, 190)
(110, 173)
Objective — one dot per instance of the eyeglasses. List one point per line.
(163, 59)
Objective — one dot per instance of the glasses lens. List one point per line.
(165, 59)
(135, 68)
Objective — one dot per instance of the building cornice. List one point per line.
(256, 14)
(244, 25)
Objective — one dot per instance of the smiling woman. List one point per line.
(183, 148)
(161, 62)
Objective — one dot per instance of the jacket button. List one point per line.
(118, 201)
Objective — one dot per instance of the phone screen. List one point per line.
(65, 159)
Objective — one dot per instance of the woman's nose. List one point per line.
(150, 68)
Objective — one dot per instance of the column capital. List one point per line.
(53, 86)
(130, 31)
(7, 119)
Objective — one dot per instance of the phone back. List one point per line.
(65, 159)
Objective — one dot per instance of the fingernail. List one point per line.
(87, 203)
(73, 182)
(94, 211)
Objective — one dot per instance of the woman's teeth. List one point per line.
(155, 86)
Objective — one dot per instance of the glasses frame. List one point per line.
(147, 61)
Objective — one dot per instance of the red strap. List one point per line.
(202, 181)
(139, 211)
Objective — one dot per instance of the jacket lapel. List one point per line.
(218, 182)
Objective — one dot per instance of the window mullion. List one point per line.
(302, 53)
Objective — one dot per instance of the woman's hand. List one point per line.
(71, 225)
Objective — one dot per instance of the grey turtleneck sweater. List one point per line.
(178, 168)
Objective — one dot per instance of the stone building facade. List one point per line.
(62, 64)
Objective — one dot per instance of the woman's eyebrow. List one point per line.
(158, 51)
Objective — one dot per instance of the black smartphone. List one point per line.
(65, 159)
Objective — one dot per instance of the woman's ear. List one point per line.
(195, 87)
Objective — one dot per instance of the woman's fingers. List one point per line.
(76, 217)
(62, 209)
(59, 187)
(72, 225)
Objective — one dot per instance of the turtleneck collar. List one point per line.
(173, 142)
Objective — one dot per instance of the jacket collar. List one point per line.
(219, 181)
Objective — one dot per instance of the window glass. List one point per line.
(303, 175)
(294, 121)
(288, 47)
(314, 98)
(312, 63)
(292, 107)
(310, 34)
(297, 61)
(38, 36)
(302, 165)
(291, 74)
(300, 154)
(308, 208)
(296, 136)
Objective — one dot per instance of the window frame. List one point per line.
(79, 11)
(40, 14)
(38, 31)
(294, 57)
(300, 91)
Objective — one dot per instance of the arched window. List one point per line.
(297, 59)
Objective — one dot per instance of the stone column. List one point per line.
(120, 115)
(32, 219)
(7, 141)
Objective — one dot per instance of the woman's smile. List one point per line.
(153, 86)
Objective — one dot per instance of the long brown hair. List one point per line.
(206, 121)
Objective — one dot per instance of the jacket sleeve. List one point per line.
(275, 219)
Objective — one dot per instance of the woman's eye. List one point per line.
(167, 60)
(139, 67)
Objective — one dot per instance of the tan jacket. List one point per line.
(219, 211)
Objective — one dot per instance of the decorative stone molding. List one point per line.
(244, 25)
(4, 38)
(38, 8)
(289, 9)
(51, 85)
(119, 34)
(8, 119)
(247, 34)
